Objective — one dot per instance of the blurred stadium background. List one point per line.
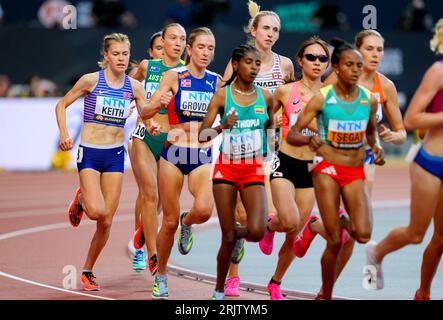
(40, 60)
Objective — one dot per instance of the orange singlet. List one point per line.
(377, 90)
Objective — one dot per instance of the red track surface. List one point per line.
(29, 200)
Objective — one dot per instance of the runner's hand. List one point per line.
(379, 155)
(231, 119)
(165, 99)
(154, 128)
(66, 143)
(315, 142)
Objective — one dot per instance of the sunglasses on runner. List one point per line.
(312, 57)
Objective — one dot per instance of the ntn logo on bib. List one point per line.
(245, 144)
(343, 132)
(111, 109)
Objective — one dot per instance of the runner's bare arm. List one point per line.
(306, 117)
(83, 87)
(416, 116)
(167, 88)
(140, 74)
(397, 133)
(216, 106)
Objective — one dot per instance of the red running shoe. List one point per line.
(304, 238)
(139, 238)
(153, 264)
(417, 297)
(75, 211)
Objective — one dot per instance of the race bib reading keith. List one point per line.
(111, 110)
(347, 134)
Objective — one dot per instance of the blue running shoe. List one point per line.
(185, 240)
(218, 295)
(139, 261)
(160, 288)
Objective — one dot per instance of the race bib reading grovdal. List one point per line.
(111, 110)
(194, 103)
(242, 145)
(347, 134)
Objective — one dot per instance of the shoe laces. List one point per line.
(186, 231)
(162, 283)
(233, 282)
(139, 255)
(91, 278)
(153, 260)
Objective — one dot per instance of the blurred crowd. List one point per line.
(189, 13)
(35, 86)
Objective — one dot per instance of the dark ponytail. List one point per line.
(340, 46)
(238, 53)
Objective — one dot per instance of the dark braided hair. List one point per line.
(340, 46)
(238, 53)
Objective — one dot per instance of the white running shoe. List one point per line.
(131, 249)
(370, 261)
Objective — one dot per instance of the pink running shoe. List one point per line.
(274, 291)
(232, 285)
(304, 238)
(267, 243)
(344, 219)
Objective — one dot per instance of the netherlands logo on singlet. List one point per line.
(193, 96)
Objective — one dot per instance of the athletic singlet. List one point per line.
(247, 138)
(377, 90)
(343, 124)
(193, 96)
(436, 104)
(272, 79)
(106, 105)
(292, 109)
(154, 74)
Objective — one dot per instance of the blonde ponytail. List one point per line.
(256, 15)
(436, 43)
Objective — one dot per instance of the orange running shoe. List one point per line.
(88, 280)
(75, 212)
(153, 264)
(139, 238)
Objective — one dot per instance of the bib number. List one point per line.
(139, 131)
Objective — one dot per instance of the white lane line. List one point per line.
(211, 222)
(49, 227)
(51, 211)
(10, 276)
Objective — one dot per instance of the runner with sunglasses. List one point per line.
(291, 180)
